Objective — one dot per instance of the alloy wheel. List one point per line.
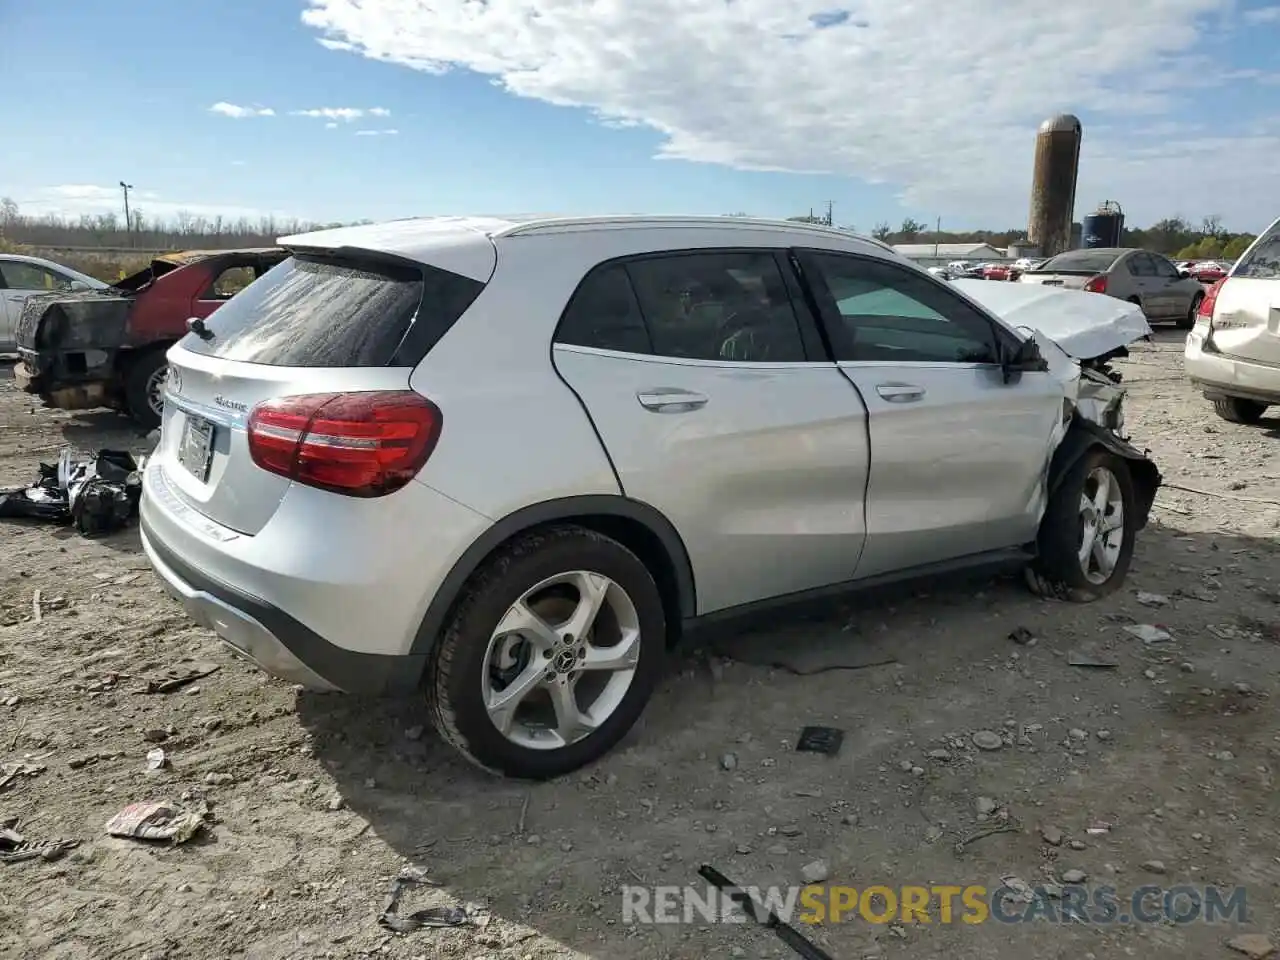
(561, 660)
(1101, 525)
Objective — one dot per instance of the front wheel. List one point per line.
(1087, 533)
(551, 656)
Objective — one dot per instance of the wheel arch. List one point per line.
(1085, 435)
(638, 526)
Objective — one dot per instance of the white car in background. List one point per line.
(22, 277)
(1233, 350)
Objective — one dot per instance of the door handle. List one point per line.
(670, 400)
(900, 392)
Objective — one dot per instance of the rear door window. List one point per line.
(726, 306)
(1141, 265)
(1262, 261)
(604, 314)
(316, 311)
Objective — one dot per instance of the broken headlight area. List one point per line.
(1100, 398)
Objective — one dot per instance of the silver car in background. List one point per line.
(1165, 293)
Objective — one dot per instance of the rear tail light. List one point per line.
(1210, 300)
(1096, 284)
(358, 444)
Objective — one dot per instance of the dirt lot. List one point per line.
(317, 801)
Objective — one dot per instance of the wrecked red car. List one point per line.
(106, 348)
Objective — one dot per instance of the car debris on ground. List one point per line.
(412, 876)
(160, 820)
(98, 494)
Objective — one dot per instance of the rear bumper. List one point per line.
(1219, 375)
(271, 638)
(331, 589)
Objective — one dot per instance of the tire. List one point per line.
(143, 377)
(1239, 410)
(462, 667)
(1057, 572)
(1189, 321)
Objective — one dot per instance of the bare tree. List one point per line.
(882, 231)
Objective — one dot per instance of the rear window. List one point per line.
(1262, 262)
(1089, 260)
(315, 311)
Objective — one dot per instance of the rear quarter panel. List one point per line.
(513, 433)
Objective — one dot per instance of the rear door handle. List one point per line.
(670, 400)
(900, 392)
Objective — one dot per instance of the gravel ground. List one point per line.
(316, 802)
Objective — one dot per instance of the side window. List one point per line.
(891, 315)
(603, 313)
(28, 276)
(731, 306)
(1141, 265)
(1164, 268)
(229, 282)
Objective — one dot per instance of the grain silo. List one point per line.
(1053, 184)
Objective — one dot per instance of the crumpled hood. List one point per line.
(1084, 325)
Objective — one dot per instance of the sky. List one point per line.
(338, 110)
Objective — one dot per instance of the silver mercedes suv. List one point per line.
(508, 462)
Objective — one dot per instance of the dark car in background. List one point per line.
(106, 348)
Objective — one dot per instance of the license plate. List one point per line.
(1052, 283)
(195, 450)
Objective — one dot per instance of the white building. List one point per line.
(943, 252)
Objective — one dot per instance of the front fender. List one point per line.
(1081, 437)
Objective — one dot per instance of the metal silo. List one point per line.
(1053, 184)
(1103, 227)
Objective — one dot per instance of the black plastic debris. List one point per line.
(97, 495)
(411, 876)
(820, 740)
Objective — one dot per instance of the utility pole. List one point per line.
(937, 235)
(830, 214)
(128, 222)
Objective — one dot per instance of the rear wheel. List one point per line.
(144, 388)
(1189, 321)
(1239, 410)
(551, 655)
(1087, 533)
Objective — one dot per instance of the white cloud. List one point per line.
(237, 112)
(377, 133)
(1262, 15)
(346, 114)
(939, 99)
(330, 126)
(75, 199)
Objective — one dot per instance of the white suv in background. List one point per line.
(1233, 351)
(505, 462)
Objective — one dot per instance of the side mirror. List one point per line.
(1184, 274)
(1026, 358)
(79, 286)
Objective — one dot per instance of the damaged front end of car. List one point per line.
(1079, 335)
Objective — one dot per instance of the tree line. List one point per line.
(183, 231)
(1172, 236)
